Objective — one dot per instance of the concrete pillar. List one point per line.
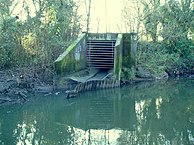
(129, 49)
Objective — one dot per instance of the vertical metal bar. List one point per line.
(89, 52)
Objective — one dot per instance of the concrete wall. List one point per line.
(118, 54)
(73, 58)
(102, 36)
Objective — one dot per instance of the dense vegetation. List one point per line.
(165, 34)
(40, 31)
(166, 44)
(35, 34)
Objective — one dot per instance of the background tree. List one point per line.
(38, 34)
(164, 44)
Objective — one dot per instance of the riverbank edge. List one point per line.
(18, 88)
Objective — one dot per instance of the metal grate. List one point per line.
(100, 54)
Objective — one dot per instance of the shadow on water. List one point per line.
(146, 113)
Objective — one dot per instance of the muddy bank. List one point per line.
(18, 85)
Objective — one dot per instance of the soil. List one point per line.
(16, 85)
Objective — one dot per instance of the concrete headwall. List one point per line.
(73, 58)
(125, 53)
(118, 53)
(102, 36)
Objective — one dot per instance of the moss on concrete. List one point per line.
(66, 62)
(124, 54)
(118, 57)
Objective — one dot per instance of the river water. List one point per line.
(160, 113)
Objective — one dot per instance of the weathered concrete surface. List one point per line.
(73, 58)
(84, 78)
(118, 57)
(102, 36)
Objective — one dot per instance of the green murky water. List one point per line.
(149, 113)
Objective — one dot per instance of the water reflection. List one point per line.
(147, 113)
